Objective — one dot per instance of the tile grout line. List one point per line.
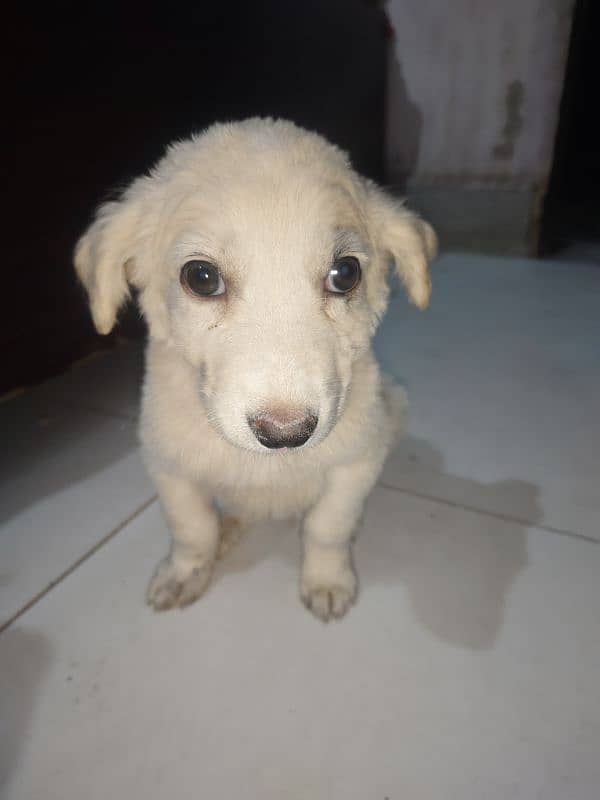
(495, 514)
(76, 564)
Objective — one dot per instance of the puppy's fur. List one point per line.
(272, 206)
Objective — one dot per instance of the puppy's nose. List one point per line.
(283, 427)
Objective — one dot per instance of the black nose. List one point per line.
(283, 427)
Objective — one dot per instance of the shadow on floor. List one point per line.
(458, 566)
(25, 658)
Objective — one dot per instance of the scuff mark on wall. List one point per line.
(513, 125)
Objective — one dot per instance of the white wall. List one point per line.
(474, 90)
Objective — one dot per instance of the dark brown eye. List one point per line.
(343, 276)
(201, 278)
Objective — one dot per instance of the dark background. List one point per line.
(94, 94)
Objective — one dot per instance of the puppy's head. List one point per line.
(261, 258)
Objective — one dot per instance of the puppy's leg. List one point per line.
(194, 524)
(231, 531)
(328, 583)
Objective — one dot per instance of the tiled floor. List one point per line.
(468, 669)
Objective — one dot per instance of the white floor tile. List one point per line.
(467, 670)
(67, 478)
(503, 374)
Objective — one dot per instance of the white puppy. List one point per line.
(261, 261)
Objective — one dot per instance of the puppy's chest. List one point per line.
(272, 489)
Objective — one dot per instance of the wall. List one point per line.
(474, 89)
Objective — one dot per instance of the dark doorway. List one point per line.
(571, 215)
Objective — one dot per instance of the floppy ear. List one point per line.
(101, 256)
(409, 240)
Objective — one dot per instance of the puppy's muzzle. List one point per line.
(283, 427)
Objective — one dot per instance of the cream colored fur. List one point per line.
(267, 202)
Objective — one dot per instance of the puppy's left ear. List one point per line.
(408, 240)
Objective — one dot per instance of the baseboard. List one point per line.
(494, 220)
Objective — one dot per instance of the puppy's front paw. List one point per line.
(176, 585)
(329, 596)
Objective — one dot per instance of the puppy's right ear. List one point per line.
(101, 256)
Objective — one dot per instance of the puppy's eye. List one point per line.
(202, 279)
(343, 276)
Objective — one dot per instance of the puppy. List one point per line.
(261, 261)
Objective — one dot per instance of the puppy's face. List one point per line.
(268, 298)
(261, 258)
